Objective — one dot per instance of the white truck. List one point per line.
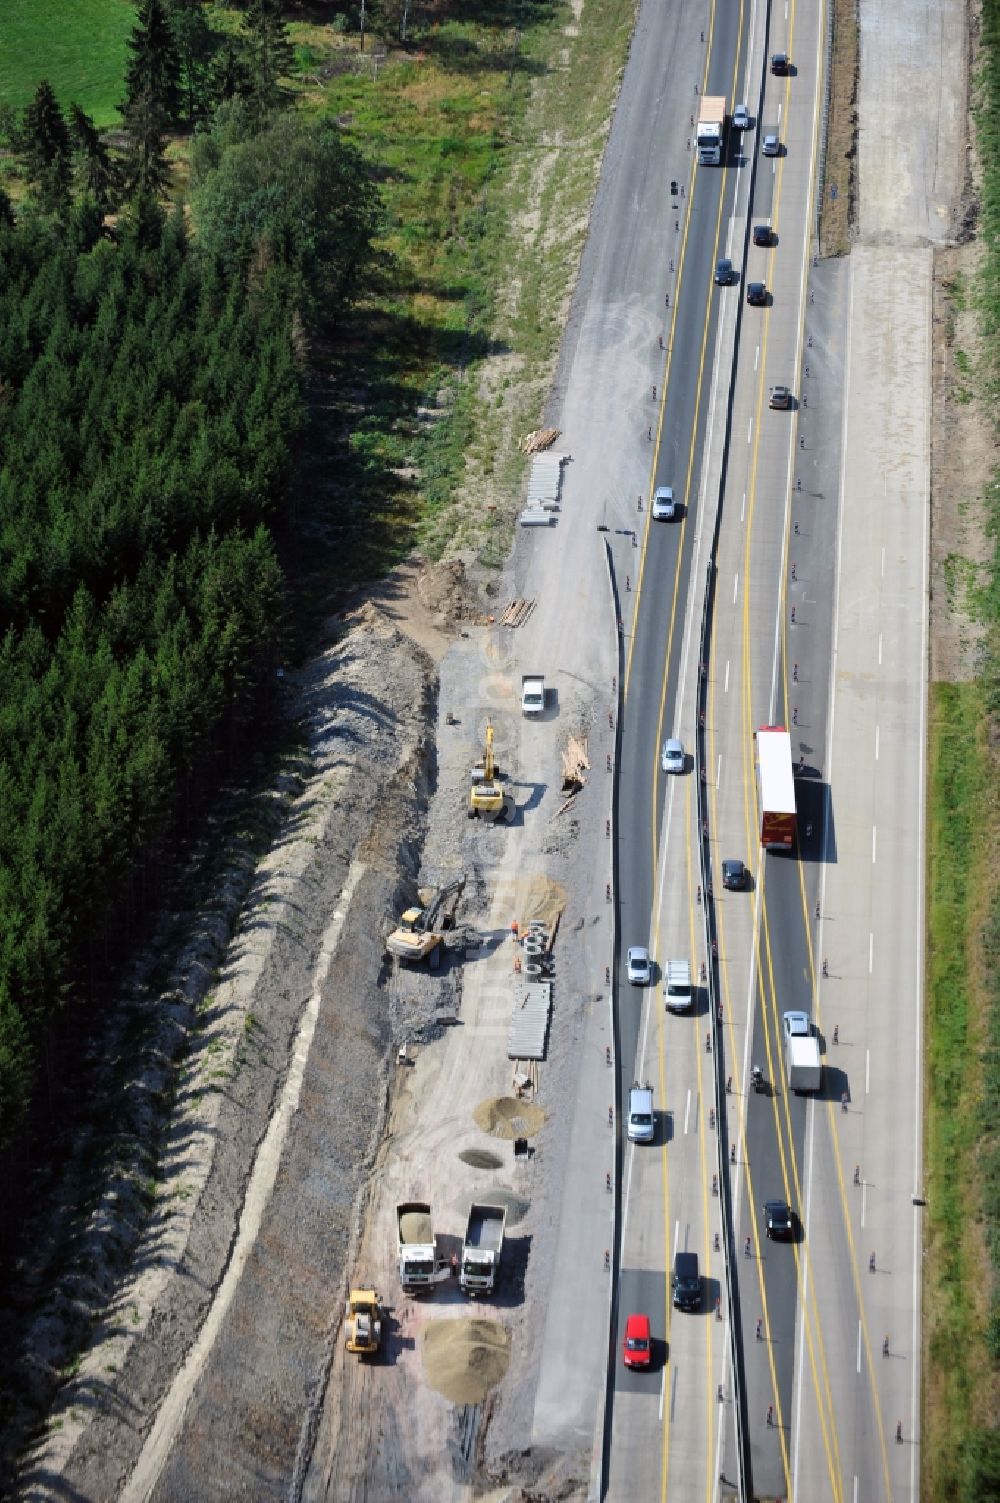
(532, 693)
(482, 1248)
(710, 129)
(805, 1068)
(678, 995)
(416, 1248)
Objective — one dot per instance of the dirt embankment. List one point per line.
(294, 1022)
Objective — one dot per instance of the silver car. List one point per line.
(771, 146)
(672, 758)
(741, 118)
(638, 965)
(663, 503)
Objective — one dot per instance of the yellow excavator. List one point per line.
(420, 931)
(363, 1323)
(487, 799)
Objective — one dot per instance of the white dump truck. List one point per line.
(710, 129)
(532, 693)
(482, 1248)
(416, 1248)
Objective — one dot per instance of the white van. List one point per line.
(641, 1122)
(678, 988)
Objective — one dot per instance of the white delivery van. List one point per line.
(679, 996)
(641, 1122)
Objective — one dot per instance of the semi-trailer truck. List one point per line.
(711, 128)
(777, 788)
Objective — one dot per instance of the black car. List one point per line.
(686, 1282)
(734, 875)
(762, 234)
(780, 1220)
(780, 63)
(756, 294)
(723, 272)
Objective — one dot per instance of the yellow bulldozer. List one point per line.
(363, 1323)
(487, 799)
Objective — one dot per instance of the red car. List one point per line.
(637, 1348)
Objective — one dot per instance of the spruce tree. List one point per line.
(152, 72)
(152, 98)
(47, 148)
(269, 53)
(97, 174)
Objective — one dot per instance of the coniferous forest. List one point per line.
(152, 381)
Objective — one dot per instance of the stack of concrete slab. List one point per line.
(544, 486)
(529, 1024)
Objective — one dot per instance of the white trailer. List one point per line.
(805, 1068)
(710, 128)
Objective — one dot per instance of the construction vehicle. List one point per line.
(487, 799)
(482, 1249)
(363, 1322)
(416, 1249)
(421, 930)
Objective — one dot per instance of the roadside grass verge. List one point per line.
(960, 1450)
(960, 1078)
(487, 143)
(79, 48)
(837, 213)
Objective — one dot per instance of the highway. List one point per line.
(823, 1394)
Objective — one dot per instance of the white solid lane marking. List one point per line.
(874, 834)
(687, 1113)
(726, 689)
(743, 508)
(736, 587)
(855, 1488)
(718, 771)
(756, 357)
(677, 1232)
(663, 1389)
(859, 1348)
(749, 430)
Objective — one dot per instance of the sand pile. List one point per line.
(506, 1117)
(416, 1227)
(464, 1359)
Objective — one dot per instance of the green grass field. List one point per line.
(78, 45)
